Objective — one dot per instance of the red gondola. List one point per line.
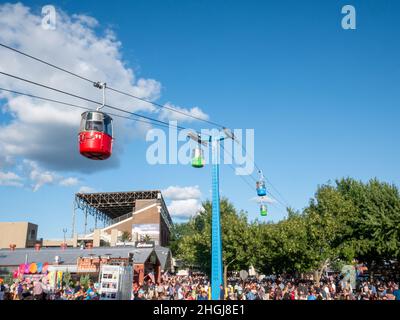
(96, 131)
(96, 135)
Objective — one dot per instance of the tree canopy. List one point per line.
(344, 221)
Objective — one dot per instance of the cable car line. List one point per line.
(165, 107)
(255, 180)
(45, 62)
(128, 118)
(109, 88)
(283, 204)
(248, 183)
(274, 197)
(123, 93)
(266, 179)
(79, 107)
(113, 114)
(90, 100)
(111, 107)
(252, 189)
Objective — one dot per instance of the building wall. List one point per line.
(164, 234)
(22, 234)
(140, 204)
(149, 216)
(57, 243)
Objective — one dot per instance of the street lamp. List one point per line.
(65, 232)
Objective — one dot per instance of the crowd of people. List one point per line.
(268, 288)
(40, 290)
(197, 287)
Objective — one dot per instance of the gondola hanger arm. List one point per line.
(103, 86)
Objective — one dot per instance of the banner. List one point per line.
(146, 230)
(88, 265)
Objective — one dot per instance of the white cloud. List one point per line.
(69, 182)
(44, 132)
(39, 177)
(167, 114)
(35, 176)
(89, 21)
(185, 201)
(181, 193)
(86, 189)
(184, 209)
(10, 179)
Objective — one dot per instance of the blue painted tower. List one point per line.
(216, 238)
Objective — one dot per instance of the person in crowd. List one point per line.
(77, 287)
(26, 293)
(2, 290)
(203, 295)
(311, 295)
(197, 287)
(37, 290)
(91, 293)
(221, 292)
(140, 295)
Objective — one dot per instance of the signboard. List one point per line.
(146, 230)
(109, 282)
(93, 264)
(183, 272)
(142, 244)
(115, 282)
(86, 264)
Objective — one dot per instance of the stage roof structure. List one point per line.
(111, 206)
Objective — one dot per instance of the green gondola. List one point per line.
(263, 210)
(198, 158)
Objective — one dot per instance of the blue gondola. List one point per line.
(260, 186)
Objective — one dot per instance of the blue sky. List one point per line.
(324, 102)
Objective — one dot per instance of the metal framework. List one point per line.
(108, 206)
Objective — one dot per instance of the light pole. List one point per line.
(65, 232)
(226, 271)
(73, 218)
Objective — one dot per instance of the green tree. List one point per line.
(67, 279)
(85, 281)
(194, 240)
(126, 236)
(374, 226)
(344, 221)
(146, 238)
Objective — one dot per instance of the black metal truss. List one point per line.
(108, 206)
